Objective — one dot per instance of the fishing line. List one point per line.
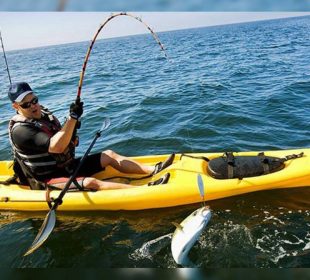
(188, 137)
(6, 62)
(94, 40)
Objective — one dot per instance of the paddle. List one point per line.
(201, 188)
(50, 220)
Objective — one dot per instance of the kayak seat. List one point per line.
(229, 166)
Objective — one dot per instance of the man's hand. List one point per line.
(76, 110)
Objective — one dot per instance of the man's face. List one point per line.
(29, 107)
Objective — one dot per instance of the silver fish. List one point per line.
(187, 233)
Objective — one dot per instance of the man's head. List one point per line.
(24, 100)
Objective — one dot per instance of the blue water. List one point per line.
(235, 87)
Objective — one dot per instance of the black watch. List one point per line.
(74, 116)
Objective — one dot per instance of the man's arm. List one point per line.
(30, 140)
(60, 141)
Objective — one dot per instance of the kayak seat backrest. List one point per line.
(229, 166)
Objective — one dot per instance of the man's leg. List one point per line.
(95, 184)
(127, 165)
(124, 164)
(88, 183)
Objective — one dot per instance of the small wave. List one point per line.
(240, 73)
(279, 242)
(151, 248)
(299, 87)
(54, 67)
(273, 219)
(276, 46)
(153, 100)
(307, 247)
(102, 74)
(224, 239)
(213, 86)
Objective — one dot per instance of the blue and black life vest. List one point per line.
(38, 165)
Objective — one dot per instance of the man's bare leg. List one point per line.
(124, 164)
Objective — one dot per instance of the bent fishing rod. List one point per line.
(82, 74)
(6, 62)
(94, 40)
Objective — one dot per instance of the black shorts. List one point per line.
(90, 166)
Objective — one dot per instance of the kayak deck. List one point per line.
(181, 188)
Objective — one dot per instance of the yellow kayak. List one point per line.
(181, 189)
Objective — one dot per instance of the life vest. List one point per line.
(39, 165)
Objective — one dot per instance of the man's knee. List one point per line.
(90, 183)
(109, 153)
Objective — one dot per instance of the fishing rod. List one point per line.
(94, 40)
(82, 74)
(6, 62)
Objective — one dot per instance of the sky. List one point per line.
(22, 30)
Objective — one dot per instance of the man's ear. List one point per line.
(15, 106)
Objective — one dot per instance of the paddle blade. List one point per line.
(106, 124)
(201, 186)
(44, 232)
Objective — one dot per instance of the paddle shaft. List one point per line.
(50, 220)
(58, 201)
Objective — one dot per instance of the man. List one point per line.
(44, 150)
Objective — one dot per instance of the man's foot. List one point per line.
(161, 181)
(162, 165)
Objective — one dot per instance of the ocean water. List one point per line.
(225, 88)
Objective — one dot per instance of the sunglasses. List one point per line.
(27, 105)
